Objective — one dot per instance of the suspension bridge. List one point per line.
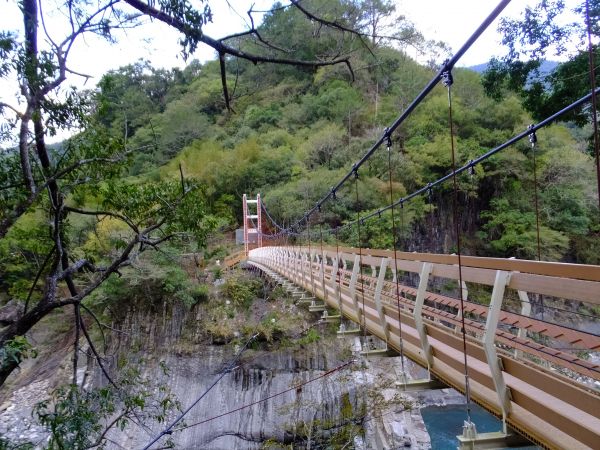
(537, 389)
(476, 324)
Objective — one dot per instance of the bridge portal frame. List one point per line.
(250, 228)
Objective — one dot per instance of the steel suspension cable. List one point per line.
(360, 267)
(363, 316)
(448, 80)
(593, 89)
(429, 87)
(533, 141)
(472, 163)
(448, 65)
(401, 340)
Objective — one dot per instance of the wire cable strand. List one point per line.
(360, 267)
(224, 372)
(264, 399)
(394, 238)
(448, 83)
(533, 141)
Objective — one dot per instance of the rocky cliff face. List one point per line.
(359, 406)
(279, 394)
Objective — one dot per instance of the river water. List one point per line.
(444, 423)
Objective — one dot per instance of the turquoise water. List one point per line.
(444, 423)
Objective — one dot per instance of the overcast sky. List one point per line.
(452, 21)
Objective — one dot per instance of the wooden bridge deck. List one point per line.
(528, 370)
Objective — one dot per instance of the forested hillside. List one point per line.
(294, 134)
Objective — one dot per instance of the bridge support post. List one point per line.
(321, 274)
(378, 289)
(335, 276)
(284, 262)
(353, 278)
(470, 439)
(525, 311)
(502, 279)
(290, 265)
(297, 266)
(465, 296)
(303, 269)
(306, 269)
(312, 275)
(291, 262)
(282, 257)
(417, 313)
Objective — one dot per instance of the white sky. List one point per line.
(452, 21)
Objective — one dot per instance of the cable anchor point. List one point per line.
(355, 170)
(471, 168)
(387, 134)
(333, 194)
(447, 78)
(532, 135)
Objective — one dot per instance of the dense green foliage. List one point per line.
(544, 31)
(294, 136)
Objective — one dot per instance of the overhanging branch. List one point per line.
(225, 49)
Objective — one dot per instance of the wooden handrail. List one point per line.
(555, 269)
(569, 281)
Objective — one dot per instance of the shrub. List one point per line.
(241, 291)
(200, 293)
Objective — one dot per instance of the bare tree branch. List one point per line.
(15, 110)
(96, 354)
(109, 427)
(222, 47)
(121, 217)
(330, 24)
(100, 324)
(77, 313)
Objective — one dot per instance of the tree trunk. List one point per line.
(20, 328)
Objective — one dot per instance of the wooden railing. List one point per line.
(529, 371)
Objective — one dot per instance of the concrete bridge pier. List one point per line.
(472, 440)
(344, 331)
